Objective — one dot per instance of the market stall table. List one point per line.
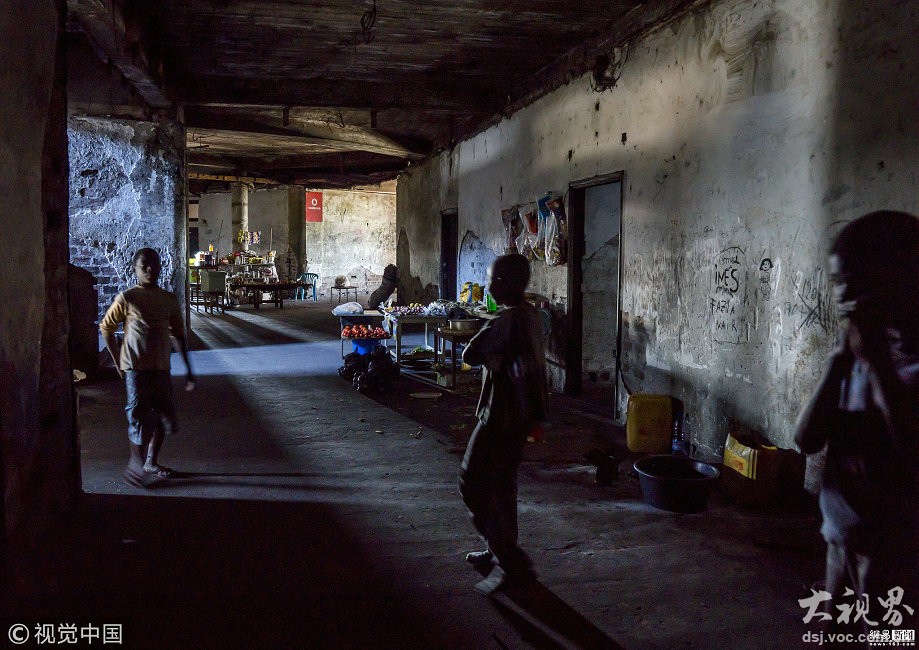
(366, 317)
(394, 323)
(256, 289)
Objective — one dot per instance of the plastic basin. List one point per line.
(675, 483)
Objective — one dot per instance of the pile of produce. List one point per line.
(364, 332)
(368, 372)
(414, 309)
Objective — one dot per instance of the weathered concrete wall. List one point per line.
(424, 193)
(215, 225)
(126, 192)
(39, 458)
(746, 131)
(355, 239)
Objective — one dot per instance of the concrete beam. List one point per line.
(411, 94)
(119, 42)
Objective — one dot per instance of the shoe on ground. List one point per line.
(480, 559)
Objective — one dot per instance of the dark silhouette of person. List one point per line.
(865, 413)
(511, 406)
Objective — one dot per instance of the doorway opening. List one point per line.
(449, 244)
(594, 282)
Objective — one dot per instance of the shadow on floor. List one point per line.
(209, 573)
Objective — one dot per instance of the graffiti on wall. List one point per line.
(812, 303)
(728, 296)
(764, 290)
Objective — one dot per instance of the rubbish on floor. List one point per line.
(607, 466)
(675, 483)
(426, 395)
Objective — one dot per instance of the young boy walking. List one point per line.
(866, 413)
(150, 314)
(511, 405)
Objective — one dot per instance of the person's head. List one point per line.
(147, 266)
(874, 266)
(507, 279)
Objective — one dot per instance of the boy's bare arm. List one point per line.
(112, 346)
(817, 417)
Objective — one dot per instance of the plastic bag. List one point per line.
(348, 308)
(556, 230)
(531, 242)
(471, 292)
(510, 217)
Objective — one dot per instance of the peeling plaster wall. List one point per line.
(356, 237)
(746, 132)
(215, 224)
(424, 194)
(126, 193)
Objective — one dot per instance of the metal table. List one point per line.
(394, 323)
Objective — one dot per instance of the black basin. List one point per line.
(675, 483)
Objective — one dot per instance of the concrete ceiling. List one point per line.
(341, 92)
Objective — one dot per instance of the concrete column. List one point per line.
(296, 225)
(240, 212)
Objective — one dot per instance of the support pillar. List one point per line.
(296, 225)
(239, 193)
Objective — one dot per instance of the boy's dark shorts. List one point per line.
(149, 404)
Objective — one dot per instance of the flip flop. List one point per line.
(162, 472)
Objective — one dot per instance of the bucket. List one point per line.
(364, 346)
(675, 483)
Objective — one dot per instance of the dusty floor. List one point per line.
(310, 515)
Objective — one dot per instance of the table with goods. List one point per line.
(364, 330)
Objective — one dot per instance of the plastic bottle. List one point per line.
(679, 444)
(490, 304)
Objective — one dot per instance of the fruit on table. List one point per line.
(364, 332)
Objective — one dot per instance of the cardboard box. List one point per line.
(757, 472)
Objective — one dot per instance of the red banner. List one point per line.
(314, 207)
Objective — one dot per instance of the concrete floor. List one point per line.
(310, 515)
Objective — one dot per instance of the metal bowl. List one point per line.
(464, 324)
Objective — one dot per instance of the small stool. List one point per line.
(347, 291)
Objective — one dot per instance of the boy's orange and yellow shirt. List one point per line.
(150, 315)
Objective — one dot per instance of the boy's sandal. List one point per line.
(161, 471)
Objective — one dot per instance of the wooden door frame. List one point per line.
(577, 193)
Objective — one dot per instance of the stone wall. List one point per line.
(747, 132)
(126, 193)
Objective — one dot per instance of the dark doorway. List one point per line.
(193, 245)
(595, 226)
(449, 241)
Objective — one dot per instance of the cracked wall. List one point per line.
(126, 193)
